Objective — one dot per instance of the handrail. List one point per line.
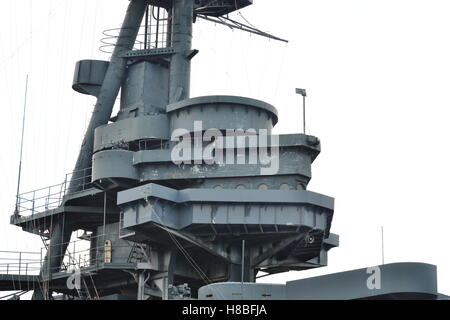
(36, 253)
(75, 258)
(146, 39)
(20, 263)
(91, 256)
(48, 198)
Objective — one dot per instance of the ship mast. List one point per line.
(164, 227)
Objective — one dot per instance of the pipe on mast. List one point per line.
(180, 65)
(110, 87)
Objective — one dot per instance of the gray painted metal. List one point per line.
(224, 196)
(121, 252)
(193, 214)
(202, 211)
(89, 76)
(260, 211)
(211, 206)
(291, 164)
(148, 52)
(59, 240)
(206, 100)
(219, 9)
(60, 235)
(208, 7)
(222, 112)
(129, 130)
(13, 282)
(145, 90)
(229, 100)
(246, 291)
(112, 82)
(396, 278)
(296, 154)
(180, 65)
(243, 291)
(398, 281)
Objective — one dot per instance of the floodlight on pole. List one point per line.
(304, 95)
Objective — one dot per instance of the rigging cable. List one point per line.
(23, 43)
(16, 211)
(186, 254)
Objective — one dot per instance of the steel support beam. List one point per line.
(111, 84)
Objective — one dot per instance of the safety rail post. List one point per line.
(65, 185)
(84, 177)
(52, 196)
(47, 200)
(74, 254)
(20, 261)
(40, 259)
(32, 203)
(60, 194)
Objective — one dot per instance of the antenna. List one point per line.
(240, 26)
(16, 211)
(243, 269)
(382, 244)
(243, 261)
(303, 93)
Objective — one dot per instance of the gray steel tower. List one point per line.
(199, 220)
(174, 193)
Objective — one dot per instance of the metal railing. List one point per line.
(81, 254)
(154, 34)
(152, 144)
(78, 181)
(41, 200)
(20, 263)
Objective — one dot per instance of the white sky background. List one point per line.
(377, 75)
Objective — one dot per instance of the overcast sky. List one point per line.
(377, 74)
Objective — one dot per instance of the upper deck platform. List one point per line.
(214, 8)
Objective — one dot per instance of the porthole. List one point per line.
(285, 186)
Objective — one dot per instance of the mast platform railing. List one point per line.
(20, 263)
(48, 198)
(97, 251)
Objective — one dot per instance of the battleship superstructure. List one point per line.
(162, 223)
